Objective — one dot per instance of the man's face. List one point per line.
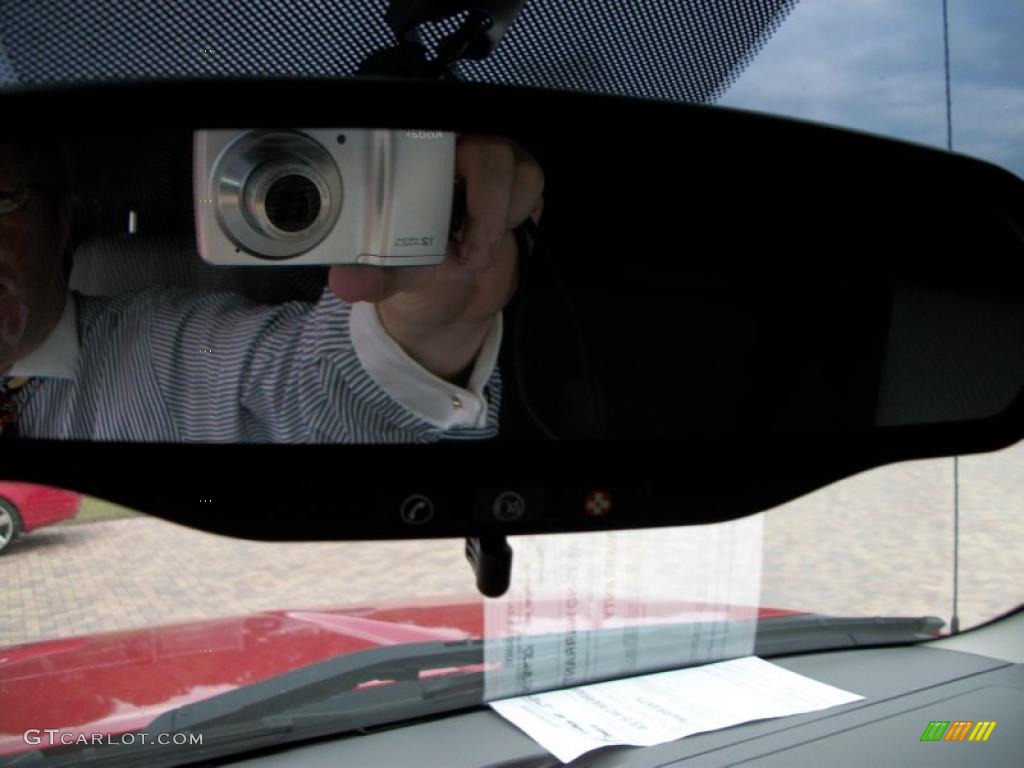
(33, 240)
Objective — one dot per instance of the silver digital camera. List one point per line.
(323, 196)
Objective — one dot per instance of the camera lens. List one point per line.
(279, 193)
(292, 203)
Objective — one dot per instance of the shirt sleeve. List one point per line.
(436, 401)
(228, 370)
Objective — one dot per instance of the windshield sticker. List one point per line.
(587, 607)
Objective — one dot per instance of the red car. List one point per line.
(25, 507)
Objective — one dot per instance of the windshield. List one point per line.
(110, 621)
(114, 619)
(879, 67)
(943, 74)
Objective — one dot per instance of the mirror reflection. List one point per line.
(141, 338)
(394, 286)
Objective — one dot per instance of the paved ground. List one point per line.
(877, 544)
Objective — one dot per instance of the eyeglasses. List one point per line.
(12, 200)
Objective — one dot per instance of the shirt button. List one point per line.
(456, 403)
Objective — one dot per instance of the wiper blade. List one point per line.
(815, 632)
(271, 711)
(325, 698)
(302, 693)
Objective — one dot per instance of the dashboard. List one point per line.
(975, 676)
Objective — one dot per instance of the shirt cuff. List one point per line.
(436, 401)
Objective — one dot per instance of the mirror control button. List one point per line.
(508, 505)
(416, 509)
(597, 503)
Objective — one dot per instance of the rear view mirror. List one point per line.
(707, 287)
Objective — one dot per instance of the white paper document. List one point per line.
(653, 709)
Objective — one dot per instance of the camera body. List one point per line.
(323, 196)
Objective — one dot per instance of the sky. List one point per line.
(878, 66)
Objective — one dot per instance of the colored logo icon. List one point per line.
(958, 730)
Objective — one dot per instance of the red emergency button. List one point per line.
(597, 503)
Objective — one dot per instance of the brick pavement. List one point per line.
(66, 580)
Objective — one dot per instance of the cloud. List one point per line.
(878, 66)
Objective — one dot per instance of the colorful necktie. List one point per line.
(8, 409)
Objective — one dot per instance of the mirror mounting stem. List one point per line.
(477, 36)
(491, 559)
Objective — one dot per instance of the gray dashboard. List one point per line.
(904, 688)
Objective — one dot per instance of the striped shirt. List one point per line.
(171, 365)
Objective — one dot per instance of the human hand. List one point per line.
(440, 315)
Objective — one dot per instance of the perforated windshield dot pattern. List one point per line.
(688, 50)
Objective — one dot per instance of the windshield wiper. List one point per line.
(814, 632)
(324, 698)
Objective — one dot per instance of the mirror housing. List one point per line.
(861, 206)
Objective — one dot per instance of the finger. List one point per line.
(487, 163)
(527, 191)
(538, 211)
(354, 283)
